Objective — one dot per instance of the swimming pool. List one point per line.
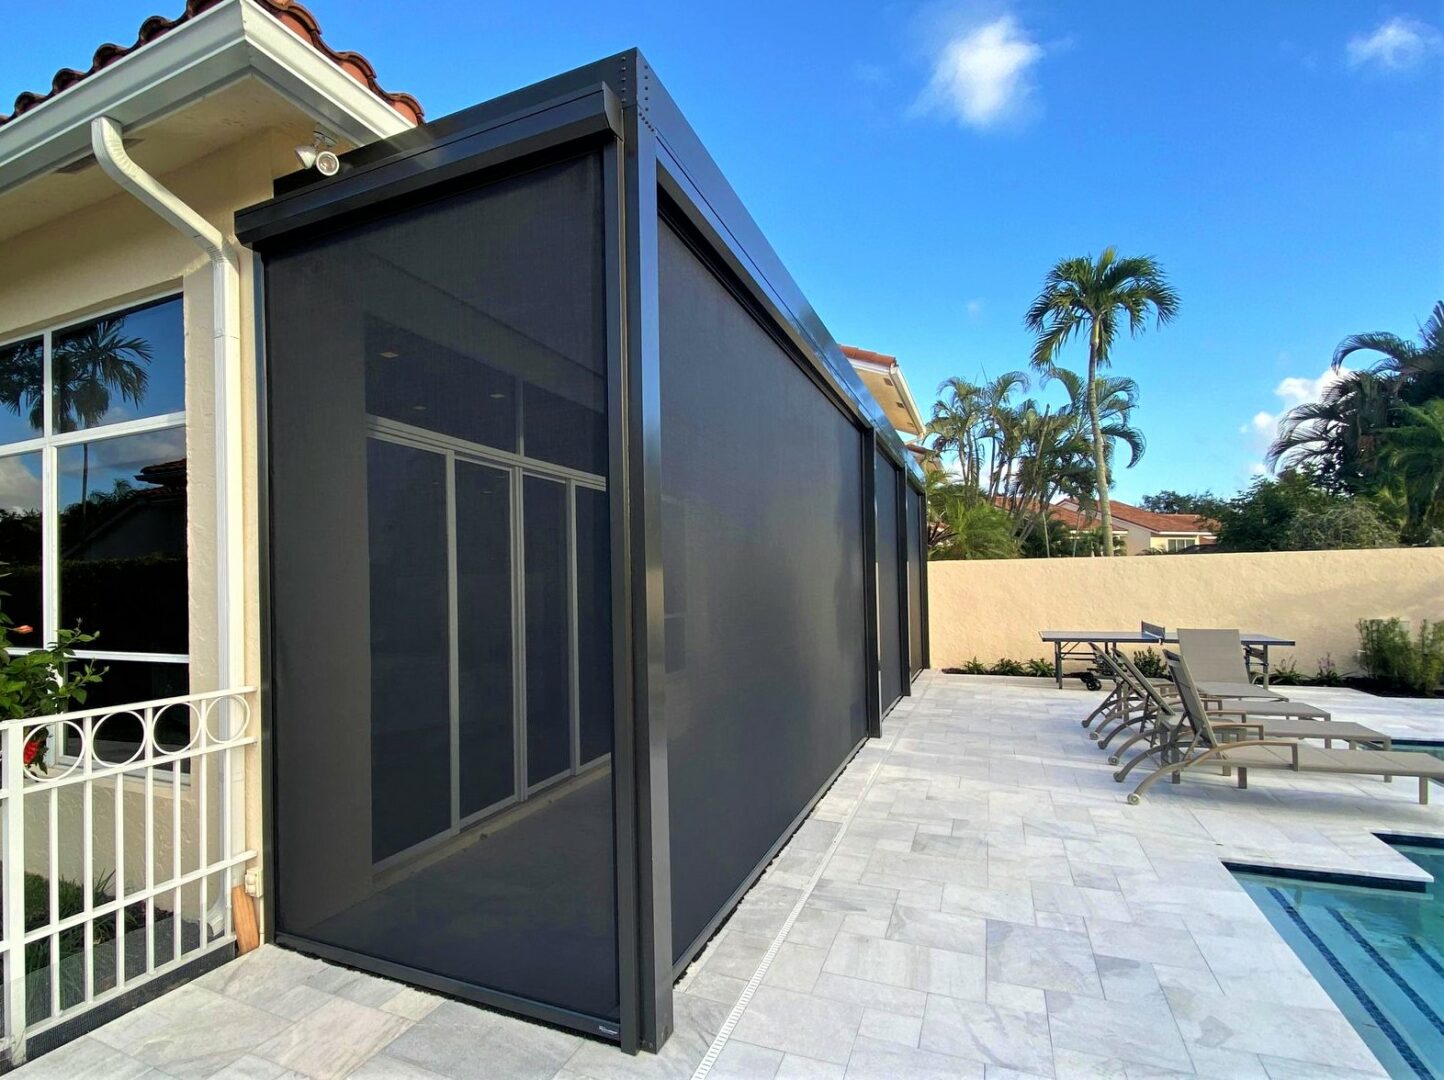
(1379, 952)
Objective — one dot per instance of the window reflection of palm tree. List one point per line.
(89, 366)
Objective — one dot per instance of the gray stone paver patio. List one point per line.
(993, 909)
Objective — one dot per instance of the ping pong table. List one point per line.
(1073, 644)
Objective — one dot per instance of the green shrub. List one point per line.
(1286, 673)
(70, 897)
(1008, 667)
(1328, 674)
(1150, 664)
(975, 667)
(1354, 524)
(1388, 653)
(1041, 668)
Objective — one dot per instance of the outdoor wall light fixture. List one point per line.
(317, 154)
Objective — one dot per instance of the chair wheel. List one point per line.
(1113, 760)
(1135, 799)
(1118, 777)
(1084, 723)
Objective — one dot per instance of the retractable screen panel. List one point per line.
(762, 552)
(916, 555)
(889, 582)
(440, 605)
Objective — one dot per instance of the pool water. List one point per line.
(1379, 952)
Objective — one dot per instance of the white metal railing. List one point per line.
(120, 849)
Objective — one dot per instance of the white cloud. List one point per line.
(982, 76)
(1294, 390)
(1396, 44)
(1258, 468)
(1263, 423)
(975, 308)
(20, 482)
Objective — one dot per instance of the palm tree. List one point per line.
(1092, 295)
(1336, 437)
(1416, 449)
(1349, 437)
(1418, 370)
(961, 525)
(975, 422)
(88, 365)
(1117, 397)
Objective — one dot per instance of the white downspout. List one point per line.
(105, 141)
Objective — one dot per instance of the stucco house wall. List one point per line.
(994, 609)
(100, 258)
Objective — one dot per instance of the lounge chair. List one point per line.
(1156, 718)
(1126, 705)
(1220, 665)
(1209, 746)
(1280, 719)
(1259, 719)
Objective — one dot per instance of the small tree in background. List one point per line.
(1353, 524)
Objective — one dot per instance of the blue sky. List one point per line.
(919, 166)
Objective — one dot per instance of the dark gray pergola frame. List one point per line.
(653, 164)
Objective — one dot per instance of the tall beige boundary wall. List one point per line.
(995, 608)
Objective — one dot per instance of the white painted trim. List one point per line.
(313, 83)
(894, 372)
(233, 39)
(105, 432)
(900, 384)
(397, 431)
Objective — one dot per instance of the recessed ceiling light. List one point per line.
(418, 408)
(496, 395)
(389, 355)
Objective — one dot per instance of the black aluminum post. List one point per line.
(872, 658)
(643, 421)
(927, 660)
(905, 598)
(624, 777)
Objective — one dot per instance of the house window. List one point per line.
(93, 498)
(1178, 543)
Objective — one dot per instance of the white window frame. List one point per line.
(517, 466)
(49, 443)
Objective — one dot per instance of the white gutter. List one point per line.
(232, 40)
(105, 141)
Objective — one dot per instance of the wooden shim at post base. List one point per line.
(243, 915)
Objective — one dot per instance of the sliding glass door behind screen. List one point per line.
(476, 559)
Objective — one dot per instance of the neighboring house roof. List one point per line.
(289, 14)
(1144, 519)
(1071, 516)
(1068, 513)
(883, 378)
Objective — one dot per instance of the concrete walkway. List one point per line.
(991, 908)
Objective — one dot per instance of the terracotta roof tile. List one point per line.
(852, 352)
(1155, 522)
(290, 14)
(1123, 512)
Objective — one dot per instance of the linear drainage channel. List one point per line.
(1377, 948)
